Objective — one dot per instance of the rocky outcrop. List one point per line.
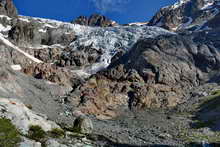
(48, 54)
(94, 20)
(7, 8)
(22, 117)
(24, 33)
(57, 36)
(80, 57)
(52, 73)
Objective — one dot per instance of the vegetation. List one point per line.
(29, 106)
(9, 135)
(194, 135)
(202, 124)
(211, 102)
(36, 133)
(57, 133)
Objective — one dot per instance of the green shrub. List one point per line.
(36, 133)
(9, 135)
(57, 133)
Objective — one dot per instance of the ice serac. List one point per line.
(8, 8)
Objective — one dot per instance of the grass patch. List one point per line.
(214, 94)
(210, 102)
(197, 137)
(9, 135)
(202, 124)
(36, 133)
(57, 133)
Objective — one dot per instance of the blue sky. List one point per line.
(122, 11)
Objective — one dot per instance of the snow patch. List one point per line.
(16, 67)
(8, 43)
(42, 30)
(49, 26)
(81, 73)
(185, 25)
(179, 4)
(4, 16)
(24, 19)
(4, 29)
(138, 23)
(46, 46)
(208, 5)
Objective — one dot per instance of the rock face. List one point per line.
(81, 57)
(24, 33)
(22, 117)
(155, 73)
(49, 72)
(187, 14)
(7, 8)
(94, 20)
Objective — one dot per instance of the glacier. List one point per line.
(108, 39)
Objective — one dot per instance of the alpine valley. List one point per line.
(95, 82)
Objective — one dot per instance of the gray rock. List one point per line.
(54, 143)
(8, 8)
(22, 117)
(29, 143)
(94, 20)
(83, 124)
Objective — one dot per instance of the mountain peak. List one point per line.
(8, 8)
(94, 20)
(187, 14)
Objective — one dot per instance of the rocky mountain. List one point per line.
(7, 8)
(192, 15)
(94, 20)
(91, 83)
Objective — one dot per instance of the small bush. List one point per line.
(36, 133)
(29, 106)
(9, 135)
(57, 133)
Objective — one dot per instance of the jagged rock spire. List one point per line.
(8, 8)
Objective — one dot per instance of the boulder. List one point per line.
(83, 124)
(29, 143)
